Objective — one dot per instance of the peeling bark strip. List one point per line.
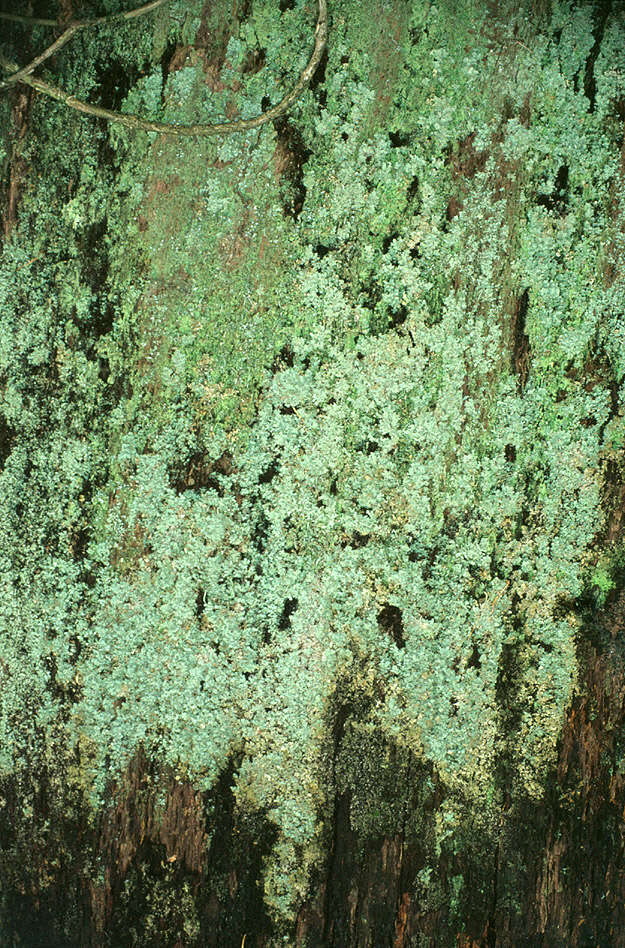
(165, 128)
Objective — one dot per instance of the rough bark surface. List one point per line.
(162, 863)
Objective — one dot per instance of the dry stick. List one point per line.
(109, 17)
(25, 71)
(73, 28)
(165, 128)
(28, 20)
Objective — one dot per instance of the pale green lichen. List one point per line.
(354, 362)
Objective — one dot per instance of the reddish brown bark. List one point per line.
(17, 165)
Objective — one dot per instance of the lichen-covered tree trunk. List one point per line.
(312, 599)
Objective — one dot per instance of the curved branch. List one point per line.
(165, 128)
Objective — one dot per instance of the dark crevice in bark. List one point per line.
(168, 63)
(340, 827)
(7, 436)
(318, 81)
(154, 840)
(290, 157)
(521, 349)
(602, 12)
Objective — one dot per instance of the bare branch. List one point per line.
(73, 28)
(20, 74)
(28, 20)
(165, 128)
(128, 15)
(96, 21)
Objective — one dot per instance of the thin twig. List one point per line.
(21, 74)
(127, 15)
(73, 28)
(110, 17)
(28, 20)
(221, 128)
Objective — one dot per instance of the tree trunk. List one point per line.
(312, 464)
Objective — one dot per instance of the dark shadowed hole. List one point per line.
(388, 240)
(390, 621)
(399, 316)
(199, 472)
(199, 604)
(261, 529)
(413, 189)
(284, 358)
(356, 540)
(474, 660)
(399, 139)
(510, 452)
(557, 200)
(284, 623)
(115, 79)
(321, 250)
(319, 77)
(269, 473)
(367, 446)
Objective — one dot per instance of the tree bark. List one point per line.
(161, 860)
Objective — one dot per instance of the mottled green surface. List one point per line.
(407, 505)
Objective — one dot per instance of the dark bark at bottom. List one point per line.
(179, 868)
